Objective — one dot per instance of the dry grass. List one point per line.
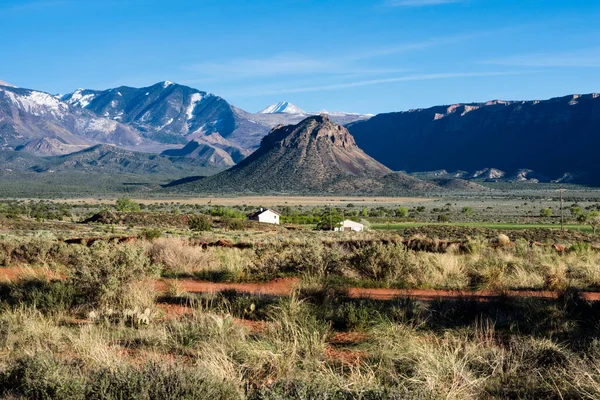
(205, 353)
(179, 256)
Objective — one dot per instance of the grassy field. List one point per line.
(487, 225)
(117, 307)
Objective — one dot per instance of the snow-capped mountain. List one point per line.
(283, 107)
(29, 115)
(174, 114)
(287, 113)
(162, 117)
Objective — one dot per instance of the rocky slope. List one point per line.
(314, 156)
(29, 115)
(550, 137)
(98, 160)
(172, 114)
(48, 146)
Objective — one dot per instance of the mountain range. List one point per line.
(168, 124)
(515, 141)
(165, 117)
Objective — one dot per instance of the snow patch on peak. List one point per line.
(79, 99)
(283, 107)
(194, 100)
(38, 103)
(166, 84)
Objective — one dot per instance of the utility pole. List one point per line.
(562, 225)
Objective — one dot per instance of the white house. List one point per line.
(349, 225)
(265, 215)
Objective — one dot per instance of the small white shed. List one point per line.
(265, 215)
(349, 225)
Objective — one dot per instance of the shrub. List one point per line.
(41, 377)
(127, 205)
(155, 381)
(150, 234)
(30, 250)
(402, 212)
(468, 211)
(382, 262)
(234, 224)
(546, 212)
(49, 296)
(443, 218)
(199, 223)
(580, 248)
(106, 274)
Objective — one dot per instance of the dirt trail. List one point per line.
(282, 287)
(278, 287)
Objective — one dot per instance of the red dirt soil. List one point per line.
(278, 287)
(16, 273)
(282, 287)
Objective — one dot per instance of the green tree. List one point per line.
(576, 211)
(200, 223)
(402, 212)
(546, 212)
(593, 219)
(443, 218)
(468, 211)
(127, 205)
(329, 220)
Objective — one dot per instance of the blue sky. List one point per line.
(363, 56)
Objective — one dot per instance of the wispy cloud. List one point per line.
(420, 3)
(281, 64)
(290, 64)
(285, 65)
(589, 58)
(262, 91)
(417, 45)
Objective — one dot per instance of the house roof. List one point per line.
(350, 222)
(262, 211)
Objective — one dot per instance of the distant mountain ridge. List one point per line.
(101, 159)
(550, 137)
